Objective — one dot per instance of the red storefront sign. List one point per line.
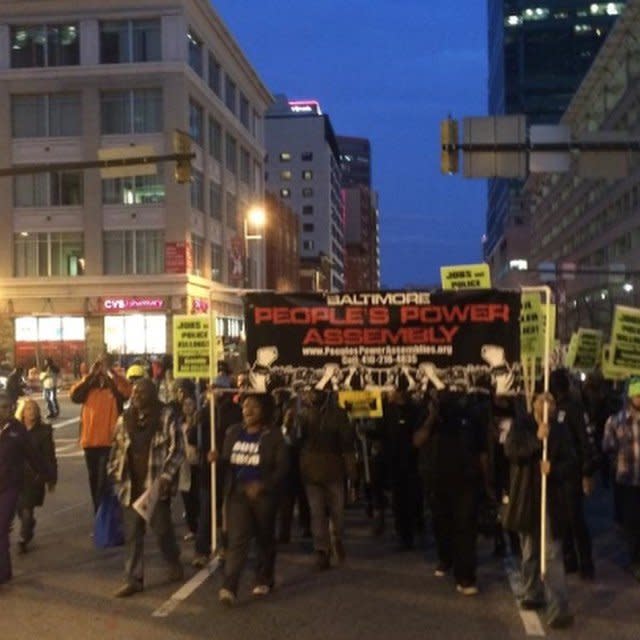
(175, 257)
(139, 303)
(199, 305)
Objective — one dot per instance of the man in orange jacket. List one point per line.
(102, 394)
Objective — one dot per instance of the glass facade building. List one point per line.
(539, 52)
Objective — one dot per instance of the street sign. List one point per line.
(495, 132)
(118, 153)
(546, 161)
(466, 276)
(547, 271)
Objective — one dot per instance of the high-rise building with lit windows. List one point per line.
(92, 262)
(539, 52)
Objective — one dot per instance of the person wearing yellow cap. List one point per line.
(135, 372)
(622, 441)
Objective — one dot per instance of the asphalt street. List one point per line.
(63, 586)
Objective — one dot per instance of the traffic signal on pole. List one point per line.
(182, 145)
(449, 146)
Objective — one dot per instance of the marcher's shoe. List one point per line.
(467, 589)
(261, 590)
(226, 597)
(176, 573)
(561, 621)
(200, 561)
(188, 537)
(128, 589)
(322, 561)
(338, 550)
(441, 570)
(531, 604)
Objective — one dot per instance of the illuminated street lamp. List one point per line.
(257, 218)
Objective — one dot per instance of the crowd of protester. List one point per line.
(464, 462)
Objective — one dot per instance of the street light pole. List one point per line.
(257, 217)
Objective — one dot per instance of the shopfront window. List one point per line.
(136, 334)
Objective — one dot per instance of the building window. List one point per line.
(307, 156)
(131, 111)
(308, 245)
(285, 174)
(195, 52)
(285, 193)
(197, 190)
(48, 254)
(215, 140)
(216, 262)
(230, 93)
(197, 254)
(215, 75)
(245, 165)
(45, 45)
(244, 111)
(232, 211)
(307, 192)
(196, 123)
(134, 190)
(231, 153)
(215, 200)
(48, 115)
(130, 41)
(307, 175)
(133, 252)
(307, 210)
(256, 122)
(55, 189)
(285, 156)
(308, 227)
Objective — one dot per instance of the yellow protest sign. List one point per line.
(609, 372)
(361, 404)
(588, 343)
(465, 276)
(191, 346)
(625, 340)
(531, 325)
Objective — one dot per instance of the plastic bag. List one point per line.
(108, 528)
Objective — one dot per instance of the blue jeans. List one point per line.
(51, 398)
(554, 588)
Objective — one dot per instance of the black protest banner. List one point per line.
(458, 339)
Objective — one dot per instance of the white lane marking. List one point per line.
(530, 619)
(186, 590)
(65, 423)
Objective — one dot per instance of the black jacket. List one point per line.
(274, 460)
(572, 413)
(16, 449)
(327, 442)
(41, 439)
(524, 452)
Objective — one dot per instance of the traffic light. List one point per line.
(182, 145)
(449, 146)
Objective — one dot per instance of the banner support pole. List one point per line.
(546, 291)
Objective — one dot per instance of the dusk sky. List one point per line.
(388, 70)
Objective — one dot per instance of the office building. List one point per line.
(303, 171)
(355, 161)
(281, 242)
(538, 55)
(589, 228)
(92, 263)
